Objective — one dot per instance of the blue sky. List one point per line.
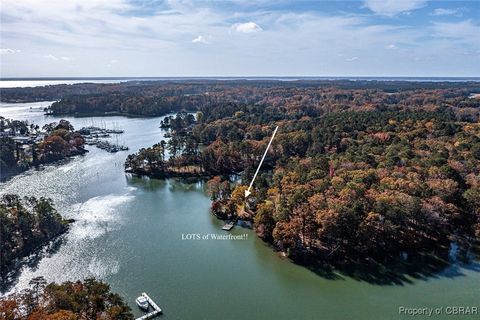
(82, 38)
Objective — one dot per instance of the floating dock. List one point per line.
(156, 309)
(228, 226)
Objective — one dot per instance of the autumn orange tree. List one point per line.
(88, 299)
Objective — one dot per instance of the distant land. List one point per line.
(9, 82)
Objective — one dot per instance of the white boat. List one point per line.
(142, 303)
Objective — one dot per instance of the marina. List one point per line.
(95, 136)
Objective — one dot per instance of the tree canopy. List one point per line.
(353, 173)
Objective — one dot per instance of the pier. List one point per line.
(228, 226)
(156, 309)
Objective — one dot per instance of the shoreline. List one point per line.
(431, 260)
(102, 114)
(17, 171)
(13, 266)
(169, 175)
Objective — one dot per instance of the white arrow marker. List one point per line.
(248, 192)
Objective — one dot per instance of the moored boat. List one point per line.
(142, 303)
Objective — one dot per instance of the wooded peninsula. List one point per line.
(354, 175)
(24, 145)
(25, 226)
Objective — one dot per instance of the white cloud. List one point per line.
(154, 39)
(95, 24)
(8, 51)
(247, 27)
(51, 57)
(446, 12)
(391, 8)
(55, 58)
(113, 61)
(465, 31)
(392, 47)
(351, 59)
(200, 39)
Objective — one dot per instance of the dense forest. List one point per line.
(25, 225)
(154, 98)
(23, 145)
(353, 174)
(201, 86)
(88, 299)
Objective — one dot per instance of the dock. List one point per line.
(228, 226)
(156, 309)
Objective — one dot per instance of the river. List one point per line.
(129, 231)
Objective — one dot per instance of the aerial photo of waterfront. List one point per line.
(239, 160)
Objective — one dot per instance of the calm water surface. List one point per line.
(128, 231)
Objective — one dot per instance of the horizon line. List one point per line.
(273, 77)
